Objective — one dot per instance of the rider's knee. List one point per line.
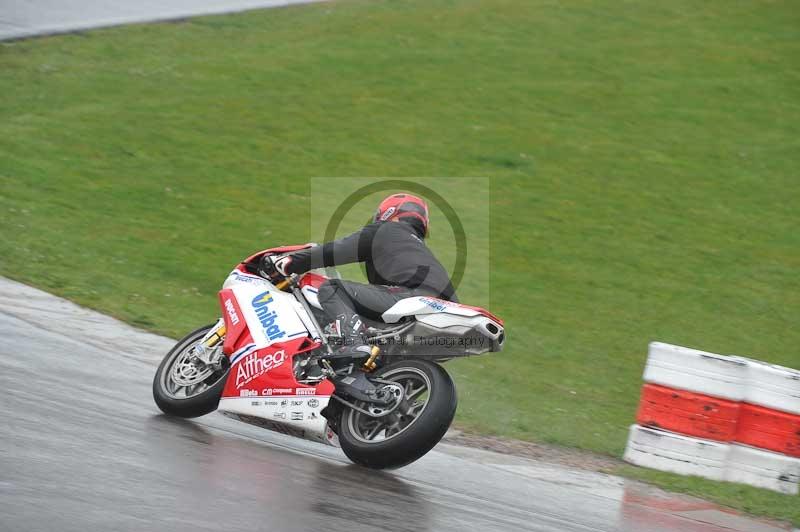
(328, 289)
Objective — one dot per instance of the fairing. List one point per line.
(267, 331)
(443, 329)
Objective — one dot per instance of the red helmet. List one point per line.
(404, 207)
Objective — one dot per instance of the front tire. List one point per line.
(186, 390)
(413, 429)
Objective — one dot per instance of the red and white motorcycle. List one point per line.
(265, 362)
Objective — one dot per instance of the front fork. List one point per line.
(205, 349)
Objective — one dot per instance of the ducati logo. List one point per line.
(231, 312)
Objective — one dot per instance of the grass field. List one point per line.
(643, 163)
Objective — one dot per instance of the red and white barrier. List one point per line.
(772, 386)
(720, 417)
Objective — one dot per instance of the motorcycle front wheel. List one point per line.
(411, 429)
(185, 387)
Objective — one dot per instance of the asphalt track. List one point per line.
(27, 18)
(83, 448)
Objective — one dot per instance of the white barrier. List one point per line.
(667, 451)
(764, 469)
(675, 453)
(698, 371)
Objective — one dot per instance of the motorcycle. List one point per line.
(268, 362)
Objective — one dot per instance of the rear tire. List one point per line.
(419, 436)
(209, 391)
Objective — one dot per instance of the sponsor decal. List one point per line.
(312, 415)
(436, 305)
(313, 403)
(238, 276)
(297, 403)
(285, 402)
(255, 403)
(280, 415)
(267, 316)
(297, 416)
(266, 391)
(276, 391)
(231, 312)
(256, 364)
(305, 391)
(271, 403)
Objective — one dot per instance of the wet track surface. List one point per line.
(28, 18)
(83, 447)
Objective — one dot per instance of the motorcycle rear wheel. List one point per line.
(183, 389)
(411, 430)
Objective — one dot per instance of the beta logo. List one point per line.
(266, 316)
(255, 364)
(231, 312)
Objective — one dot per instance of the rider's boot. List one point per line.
(352, 342)
(353, 384)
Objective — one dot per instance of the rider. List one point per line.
(398, 265)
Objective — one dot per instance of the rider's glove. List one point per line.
(274, 267)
